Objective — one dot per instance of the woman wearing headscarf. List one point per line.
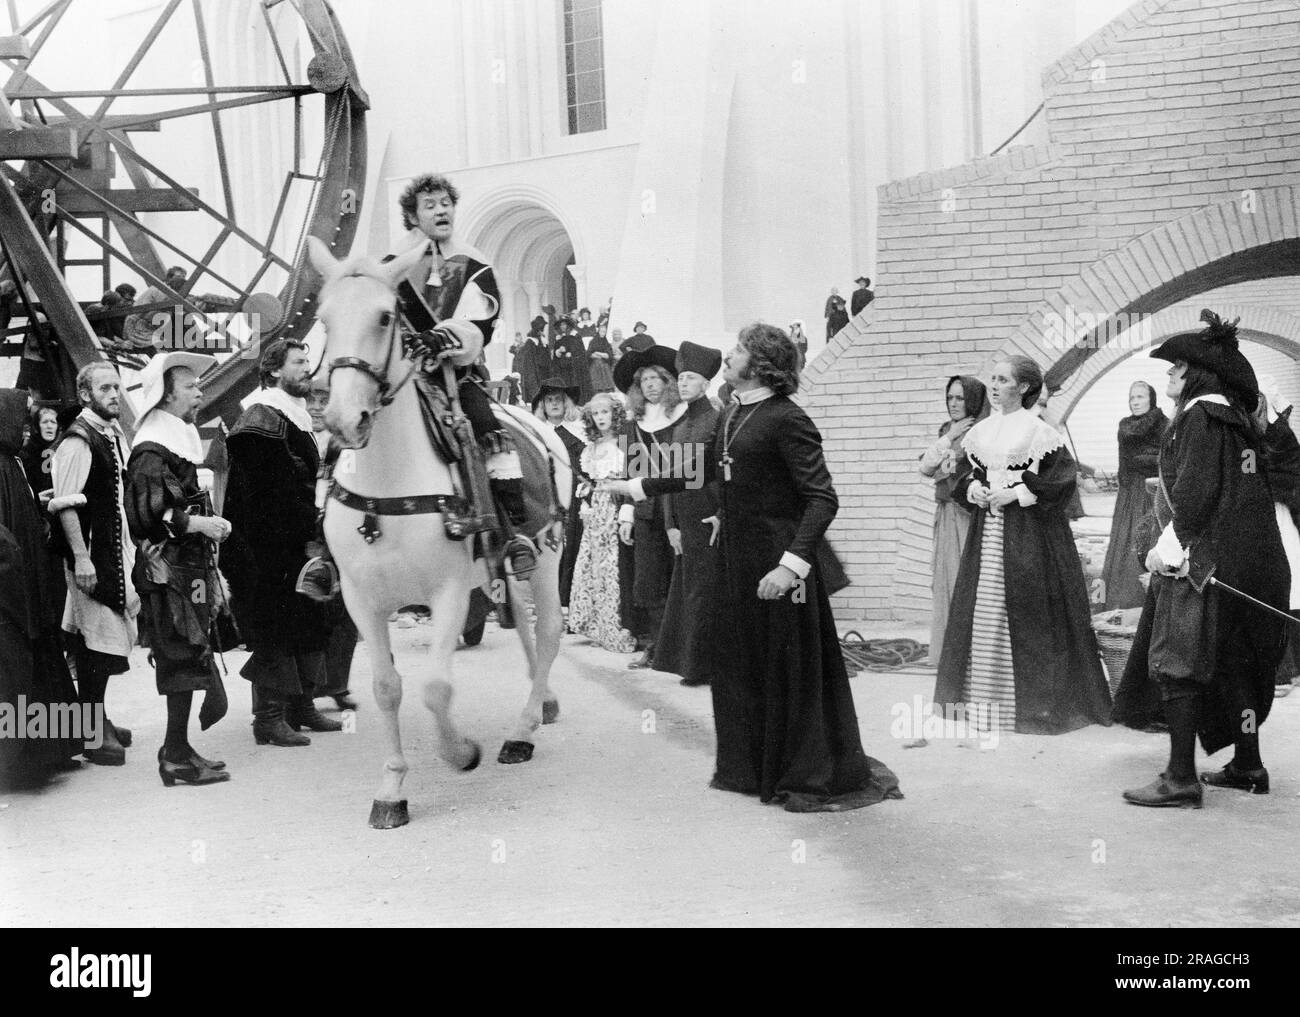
(1139, 453)
(1212, 653)
(1020, 653)
(38, 450)
(600, 358)
(947, 464)
(31, 608)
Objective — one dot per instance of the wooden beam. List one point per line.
(15, 47)
(155, 199)
(109, 123)
(39, 143)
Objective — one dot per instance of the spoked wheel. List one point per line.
(224, 135)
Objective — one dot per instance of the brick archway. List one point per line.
(1253, 236)
(1271, 327)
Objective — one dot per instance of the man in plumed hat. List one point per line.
(1211, 652)
(556, 404)
(688, 634)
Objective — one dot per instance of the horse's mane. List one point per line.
(357, 266)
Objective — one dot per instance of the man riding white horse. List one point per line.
(459, 293)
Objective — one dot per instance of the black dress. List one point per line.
(31, 605)
(1139, 452)
(572, 522)
(687, 643)
(648, 563)
(786, 724)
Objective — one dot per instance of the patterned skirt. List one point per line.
(991, 682)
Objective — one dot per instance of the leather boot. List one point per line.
(302, 712)
(269, 727)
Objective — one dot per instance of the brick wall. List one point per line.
(1172, 139)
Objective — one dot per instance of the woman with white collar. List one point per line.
(647, 374)
(1212, 654)
(1019, 652)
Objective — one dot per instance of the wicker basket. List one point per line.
(1115, 639)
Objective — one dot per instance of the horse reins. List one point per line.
(387, 391)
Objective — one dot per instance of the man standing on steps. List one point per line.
(89, 471)
(271, 504)
(861, 297)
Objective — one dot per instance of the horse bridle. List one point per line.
(387, 392)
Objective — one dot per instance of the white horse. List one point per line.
(395, 469)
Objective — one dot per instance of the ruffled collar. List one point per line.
(655, 419)
(278, 399)
(1003, 440)
(172, 433)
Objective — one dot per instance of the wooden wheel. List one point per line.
(273, 101)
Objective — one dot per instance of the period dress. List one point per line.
(1139, 450)
(947, 463)
(600, 357)
(786, 725)
(1020, 648)
(594, 600)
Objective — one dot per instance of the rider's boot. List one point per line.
(319, 578)
(520, 549)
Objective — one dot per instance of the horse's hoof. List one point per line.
(474, 760)
(515, 752)
(388, 815)
(550, 711)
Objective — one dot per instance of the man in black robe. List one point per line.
(175, 570)
(786, 724)
(271, 503)
(568, 355)
(687, 643)
(532, 360)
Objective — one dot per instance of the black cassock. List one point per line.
(687, 638)
(533, 364)
(572, 522)
(786, 724)
(569, 363)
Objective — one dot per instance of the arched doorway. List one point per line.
(534, 255)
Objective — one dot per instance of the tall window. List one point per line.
(584, 65)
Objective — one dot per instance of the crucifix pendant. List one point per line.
(725, 462)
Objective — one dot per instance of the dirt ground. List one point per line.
(612, 823)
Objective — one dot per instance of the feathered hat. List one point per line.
(1215, 349)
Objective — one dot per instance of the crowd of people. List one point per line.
(1213, 561)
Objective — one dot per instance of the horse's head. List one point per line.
(362, 344)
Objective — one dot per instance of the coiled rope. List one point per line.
(879, 654)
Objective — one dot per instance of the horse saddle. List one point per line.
(541, 460)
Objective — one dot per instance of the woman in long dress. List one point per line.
(1139, 450)
(593, 603)
(947, 463)
(1020, 653)
(1212, 654)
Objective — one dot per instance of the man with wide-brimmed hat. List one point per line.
(1212, 653)
(176, 569)
(647, 374)
(556, 404)
(688, 634)
(862, 296)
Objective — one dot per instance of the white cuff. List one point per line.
(795, 564)
(68, 501)
(626, 514)
(638, 488)
(1026, 496)
(1171, 552)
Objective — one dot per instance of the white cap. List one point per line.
(152, 377)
